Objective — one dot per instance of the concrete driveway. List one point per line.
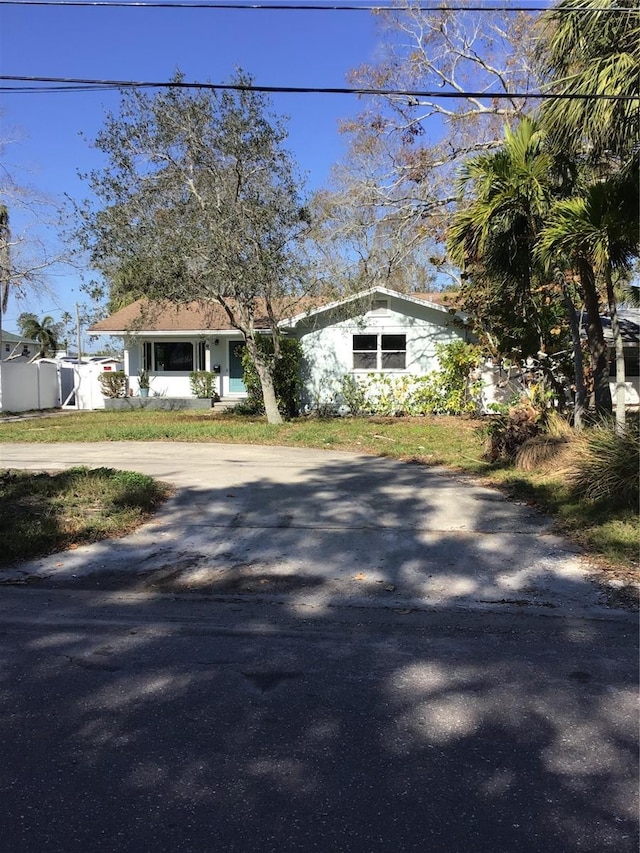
(322, 528)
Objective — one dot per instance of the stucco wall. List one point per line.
(327, 344)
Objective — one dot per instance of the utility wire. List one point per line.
(68, 84)
(298, 7)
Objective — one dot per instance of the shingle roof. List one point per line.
(167, 317)
(145, 316)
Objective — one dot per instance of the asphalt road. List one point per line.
(337, 697)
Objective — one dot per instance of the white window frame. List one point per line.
(379, 353)
(149, 358)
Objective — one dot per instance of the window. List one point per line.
(379, 307)
(365, 352)
(631, 362)
(168, 357)
(379, 352)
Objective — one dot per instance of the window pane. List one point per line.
(631, 362)
(365, 360)
(174, 356)
(379, 307)
(146, 357)
(365, 342)
(394, 342)
(393, 360)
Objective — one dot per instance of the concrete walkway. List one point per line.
(321, 528)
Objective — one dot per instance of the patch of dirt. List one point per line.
(626, 597)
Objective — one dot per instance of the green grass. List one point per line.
(446, 441)
(42, 513)
(606, 532)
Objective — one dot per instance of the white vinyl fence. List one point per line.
(49, 384)
(25, 386)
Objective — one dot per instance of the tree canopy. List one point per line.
(199, 200)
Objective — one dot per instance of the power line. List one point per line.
(298, 7)
(69, 84)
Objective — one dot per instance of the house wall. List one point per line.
(632, 392)
(327, 344)
(177, 384)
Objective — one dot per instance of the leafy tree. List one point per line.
(46, 331)
(493, 238)
(592, 49)
(383, 218)
(286, 377)
(200, 201)
(497, 237)
(497, 229)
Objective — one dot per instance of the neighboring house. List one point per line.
(629, 321)
(17, 347)
(379, 330)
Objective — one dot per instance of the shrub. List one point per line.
(113, 383)
(446, 391)
(604, 465)
(507, 433)
(460, 394)
(202, 384)
(286, 377)
(354, 394)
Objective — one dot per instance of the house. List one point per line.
(17, 347)
(378, 330)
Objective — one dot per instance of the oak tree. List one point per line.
(200, 200)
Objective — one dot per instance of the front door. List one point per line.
(236, 373)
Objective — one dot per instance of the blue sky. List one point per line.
(278, 48)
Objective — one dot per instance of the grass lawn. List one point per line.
(611, 536)
(42, 513)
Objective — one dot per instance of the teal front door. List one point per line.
(236, 385)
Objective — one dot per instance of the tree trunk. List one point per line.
(266, 383)
(578, 364)
(595, 337)
(621, 379)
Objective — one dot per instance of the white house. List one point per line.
(378, 330)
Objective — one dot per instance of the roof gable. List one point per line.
(434, 301)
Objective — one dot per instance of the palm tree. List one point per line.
(592, 48)
(44, 331)
(512, 191)
(597, 232)
(496, 231)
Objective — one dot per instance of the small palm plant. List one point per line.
(144, 383)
